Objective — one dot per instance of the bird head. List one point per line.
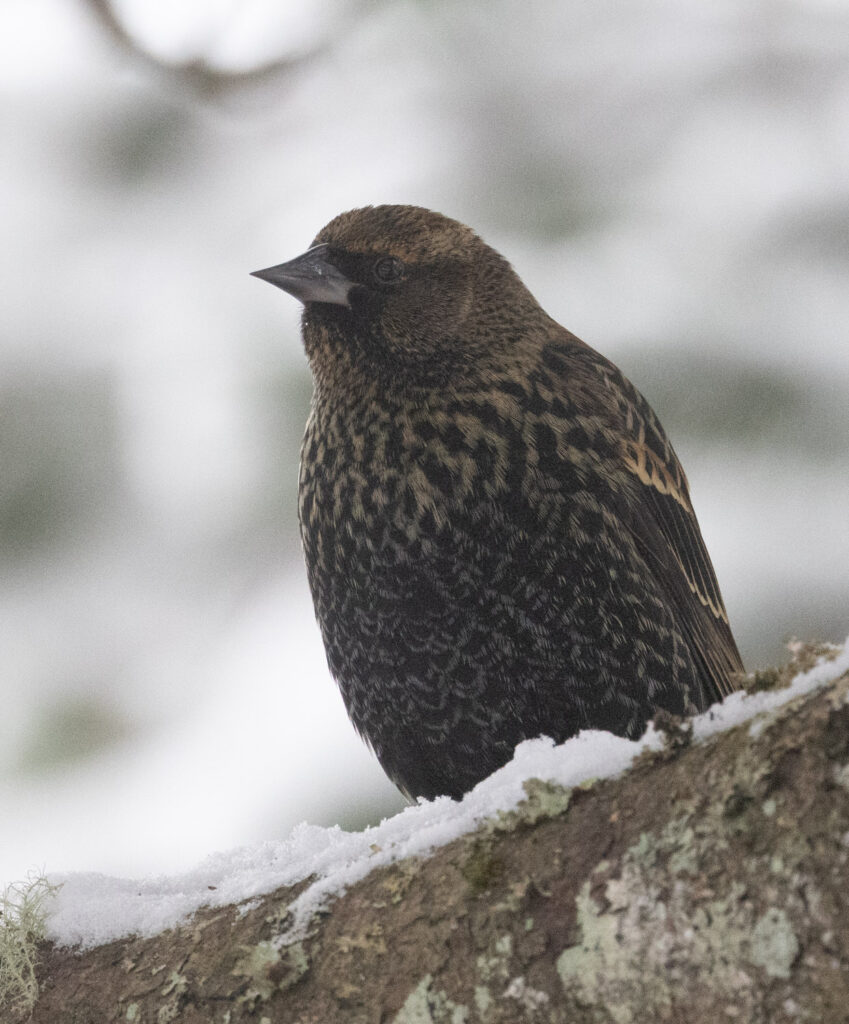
(402, 294)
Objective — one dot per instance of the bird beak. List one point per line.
(310, 278)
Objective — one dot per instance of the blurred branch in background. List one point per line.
(202, 75)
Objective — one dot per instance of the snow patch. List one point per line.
(740, 707)
(91, 909)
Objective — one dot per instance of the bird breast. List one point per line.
(406, 467)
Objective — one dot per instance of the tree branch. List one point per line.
(199, 75)
(708, 883)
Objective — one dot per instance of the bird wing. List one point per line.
(665, 524)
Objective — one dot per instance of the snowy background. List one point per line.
(672, 182)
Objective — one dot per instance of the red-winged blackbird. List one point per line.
(498, 535)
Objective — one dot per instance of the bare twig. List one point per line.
(199, 75)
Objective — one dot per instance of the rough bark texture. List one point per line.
(708, 884)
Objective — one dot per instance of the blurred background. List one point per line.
(672, 182)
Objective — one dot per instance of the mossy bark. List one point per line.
(710, 883)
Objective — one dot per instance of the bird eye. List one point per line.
(388, 269)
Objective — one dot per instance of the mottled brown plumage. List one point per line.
(499, 537)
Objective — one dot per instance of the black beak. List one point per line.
(310, 278)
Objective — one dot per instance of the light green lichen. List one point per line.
(543, 799)
(644, 852)
(425, 1006)
(638, 947)
(175, 988)
(270, 969)
(679, 839)
(494, 971)
(176, 984)
(841, 775)
(483, 1000)
(596, 968)
(529, 998)
(774, 943)
(256, 965)
(168, 1012)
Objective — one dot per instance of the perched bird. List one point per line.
(498, 535)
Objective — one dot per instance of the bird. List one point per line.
(499, 538)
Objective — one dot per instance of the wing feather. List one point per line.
(661, 514)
